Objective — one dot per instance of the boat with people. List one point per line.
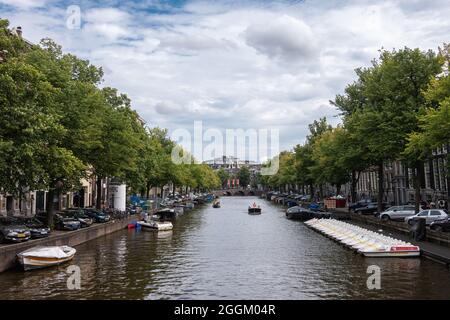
(216, 204)
(45, 256)
(254, 209)
(156, 225)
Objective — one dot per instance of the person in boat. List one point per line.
(144, 216)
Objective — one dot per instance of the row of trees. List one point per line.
(58, 126)
(397, 109)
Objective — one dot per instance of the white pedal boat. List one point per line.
(42, 257)
(156, 225)
(364, 241)
(391, 251)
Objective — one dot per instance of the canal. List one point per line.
(227, 254)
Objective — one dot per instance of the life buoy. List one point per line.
(441, 203)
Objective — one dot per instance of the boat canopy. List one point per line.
(45, 252)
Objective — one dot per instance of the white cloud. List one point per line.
(237, 65)
(24, 4)
(284, 37)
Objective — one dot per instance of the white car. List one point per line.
(429, 216)
(398, 212)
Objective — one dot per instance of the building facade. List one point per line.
(399, 183)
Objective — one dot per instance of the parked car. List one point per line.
(441, 225)
(97, 215)
(37, 228)
(398, 213)
(370, 209)
(428, 215)
(360, 204)
(79, 215)
(12, 231)
(306, 197)
(68, 224)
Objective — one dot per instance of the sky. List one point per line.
(233, 64)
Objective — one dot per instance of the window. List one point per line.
(409, 208)
(435, 213)
(423, 213)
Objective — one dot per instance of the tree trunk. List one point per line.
(49, 207)
(448, 176)
(338, 189)
(353, 187)
(148, 187)
(311, 189)
(416, 179)
(98, 203)
(380, 186)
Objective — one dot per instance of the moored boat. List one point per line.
(167, 214)
(42, 257)
(216, 204)
(299, 213)
(364, 241)
(156, 225)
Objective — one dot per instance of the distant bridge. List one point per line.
(238, 192)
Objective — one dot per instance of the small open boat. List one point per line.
(42, 257)
(216, 204)
(156, 225)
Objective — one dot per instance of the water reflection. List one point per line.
(227, 254)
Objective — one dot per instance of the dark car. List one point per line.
(371, 209)
(97, 215)
(68, 224)
(441, 225)
(359, 204)
(12, 231)
(36, 227)
(79, 215)
(59, 221)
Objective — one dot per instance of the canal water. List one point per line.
(227, 254)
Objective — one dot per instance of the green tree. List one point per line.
(244, 176)
(223, 176)
(384, 110)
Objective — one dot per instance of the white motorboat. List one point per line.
(42, 257)
(156, 225)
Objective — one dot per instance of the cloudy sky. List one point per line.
(233, 64)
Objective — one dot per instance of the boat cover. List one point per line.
(47, 252)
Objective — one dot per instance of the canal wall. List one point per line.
(70, 238)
